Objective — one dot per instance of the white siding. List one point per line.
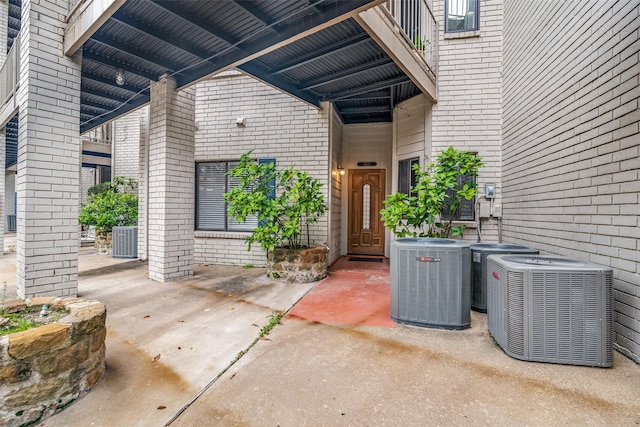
(571, 139)
(410, 129)
(412, 133)
(338, 183)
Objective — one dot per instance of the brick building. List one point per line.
(545, 92)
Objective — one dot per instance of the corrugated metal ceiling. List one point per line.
(190, 40)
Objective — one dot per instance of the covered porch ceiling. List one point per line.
(190, 40)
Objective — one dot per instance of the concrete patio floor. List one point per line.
(313, 370)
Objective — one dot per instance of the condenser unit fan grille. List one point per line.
(515, 312)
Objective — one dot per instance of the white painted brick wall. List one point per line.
(88, 179)
(171, 181)
(229, 249)
(3, 191)
(143, 184)
(6, 199)
(9, 190)
(276, 125)
(48, 180)
(571, 139)
(126, 144)
(468, 112)
(4, 19)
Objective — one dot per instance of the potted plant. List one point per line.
(110, 204)
(440, 188)
(285, 202)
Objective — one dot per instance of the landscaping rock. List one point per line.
(39, 340)
(44, 369)
(297, 265)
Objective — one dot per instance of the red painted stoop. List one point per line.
(354, 293)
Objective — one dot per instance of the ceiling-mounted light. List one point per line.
(119, 77)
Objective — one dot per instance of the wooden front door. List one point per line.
(366, 193)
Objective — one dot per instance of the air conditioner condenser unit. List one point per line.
(548, 308)
(124, 242)
(430, 282)
(479, 254)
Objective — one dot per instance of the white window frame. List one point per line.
(462, 10)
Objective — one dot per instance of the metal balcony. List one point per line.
(415, 23)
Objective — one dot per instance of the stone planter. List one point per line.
(103, 242)
(44, 369)
(297, 265)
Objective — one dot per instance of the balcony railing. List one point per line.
(104, 141)
(415, 23)
(99, 135)
(9, 73)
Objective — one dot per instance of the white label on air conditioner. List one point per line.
(477, 257)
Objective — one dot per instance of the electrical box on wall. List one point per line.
(489, 191)
(496, 211)
(484, 210)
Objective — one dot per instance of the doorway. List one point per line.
(365, 229)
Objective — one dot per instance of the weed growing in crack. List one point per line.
(274, 319)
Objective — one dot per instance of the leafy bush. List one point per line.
(111, 204)
(283, 200)
(436, 195)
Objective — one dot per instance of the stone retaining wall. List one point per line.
(44, 369)
(297, 265)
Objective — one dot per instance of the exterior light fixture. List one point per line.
(341, 170)
(119, 77)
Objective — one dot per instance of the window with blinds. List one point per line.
(211, 211)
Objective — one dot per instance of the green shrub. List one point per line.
(283, 200)
(436, 198)
(111, 204)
